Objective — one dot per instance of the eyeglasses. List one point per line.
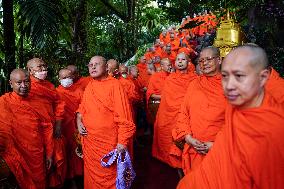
(207, 59)
(91, 65)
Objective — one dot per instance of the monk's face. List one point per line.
(123, 69)
(143, 60)
(209, 63)
(242, 83)
(112, 66)
(20, 82)
(172, 36)
(181, 62)
(97, 67)
(134, 72)
(66, 74)
(166, 65)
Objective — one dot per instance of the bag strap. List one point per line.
(112, 157)
(126, 157)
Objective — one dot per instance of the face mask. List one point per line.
(124, 75)
(66, 82)
(41, 75)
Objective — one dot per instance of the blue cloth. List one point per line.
(125, 172)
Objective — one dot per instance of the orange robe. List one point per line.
(172, 97)
(156, 84)
(51, 109)
(82, 82)
(175, 44)
(72, 98)
(248, 153)
(185, 50)
(32, 138)
(201, 115)
(8, 152)
(172, 56)
(106, 115)
(143, 75)
(275, 86)
(165, 39)
(129, 88)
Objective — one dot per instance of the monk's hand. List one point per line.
(82, 129)
(208, 146)
(120, 148)
(48, 162)
(57, 131)
(199, 146)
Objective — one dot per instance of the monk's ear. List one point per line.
(264, 76)
(10, 82)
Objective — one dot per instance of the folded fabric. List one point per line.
(125, 172)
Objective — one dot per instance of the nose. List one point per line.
(23, 84)
(229, 83)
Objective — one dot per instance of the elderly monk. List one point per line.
(202, 113)
(143, 75)
(115, 70)
(52, 110)
(71, 95)
(31, 133)
(105, 100)
(172, 97)
(78, 81)
(249, 152)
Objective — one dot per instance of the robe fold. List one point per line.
(106, 115)
(172, 97)
(32, 137)
(202, 115)
(72, 98)
(248, 152)
(275, 86)
(143, 75)
(51, 109)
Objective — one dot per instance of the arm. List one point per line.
(81, 128)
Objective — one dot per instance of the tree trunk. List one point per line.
(9, 36)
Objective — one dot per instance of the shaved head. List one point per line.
(16, 72)
(112, 65)
(20, 82)
(215, 51)
(73, 69)
(123, 68)
(64, 73)
(256, 55)
(97, 67)
(34, 62)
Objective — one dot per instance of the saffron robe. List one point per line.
(172, 97)
(107, 117)
(202, 115)
(248, 153)
(32, 136)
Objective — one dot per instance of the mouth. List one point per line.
(232, 97)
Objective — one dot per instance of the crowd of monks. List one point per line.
(219, 122)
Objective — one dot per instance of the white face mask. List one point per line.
(124, 75)
(66, 82)
(41, 75)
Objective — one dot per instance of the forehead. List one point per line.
(181, 56)
(65, 73)
(96, 60)
(19, 76)
(238, 61)
(206, 53)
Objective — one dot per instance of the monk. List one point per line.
(71, 95)
(202, 113)
(105, 100)
(248, 152)
(78, 81)
(52, 110)
(127, 85)
(275, 85)
(172, 97)
(32, 134)
(143, 74)
(153, 94)
(175, 42)
(168, 53)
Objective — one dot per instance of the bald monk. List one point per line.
(78, 81)
(153, 94)
(202, 113)
(175, 42)
(172, 97)
(248, 153)
(105, 100)
(71, 95)
(169, 53)
(143, 74)
(128, 86)
(52, 110)
(32, 134)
